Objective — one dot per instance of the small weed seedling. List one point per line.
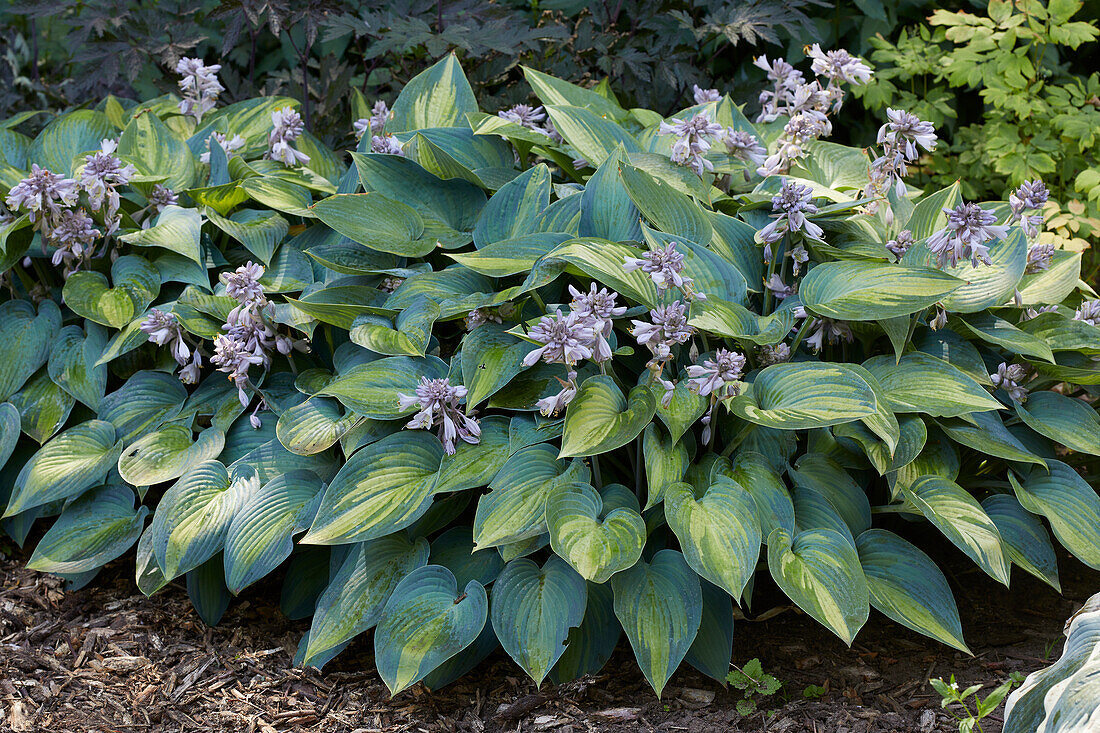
(752, 681)
(814, 692)
(952, 696)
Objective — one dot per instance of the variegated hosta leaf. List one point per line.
(774, 508)
(353, 601)
(908, 587)
(90, 296)
(1070, 505)
(514, 509)
(9, 431)
(988, 435)
(206, 589)
(76, 459)
(597, 540)
(533, 610)
(408, 333)
(425, 622)
(474, 465)
(93, 530)
(439, 96)
(1024, 538)
(820, 473)
(454, 550)
(666, 461)
(193, 516)
(26, 338)
(148, 576)
(313, 426)
(491, 357)
(1071, 422)
(600, 418)
(382, 488)
(718, 532)
(962, 520)
(814, 510)
(43, 407)
(72, 363)
(735, 321)
(819, 570)
(371, 389)
(805, 395)
(590, 645)
(261, 534)
(712, 650)
(143, 404)
(1062, 698)
(869, 291)
(271, 459)
(920, 382)
(167, 453)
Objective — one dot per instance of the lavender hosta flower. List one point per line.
(702, 96)
(693, 139)
(900, 244)
(904, 132)
(1089, 312)
(437, 401)
(668, 326)
(1036, 312)
(101, 176)
(801, 129)
(824, 330)
(839, 66)
(164, 330)
(524, 115)
(1031, 195)
(480, 316)
(791, 206)
(162, 196)
(939, 320)
(287, 126)
(386, 144)
(379, 116)
(777, 354)
(42, 193)
(390, 284)
(664, 266)
(243, 284)
(780, 289)
(1039, 257)
(785, 79)
(565, 340)
(969, 230)
(1010, 378)
(233, 356)
(744, 146)
(230, 145)
(555, 403)
(74, 236)
(799, 257)
(720, 376)
(200, 87)
(597, 308)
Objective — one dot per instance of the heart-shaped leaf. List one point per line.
(920, 382)
(92, 531)
(313, 425)
(597, 544)
(600, 418)
(26, 338)
(89, 295)
(712, 650)
(854, 290)
(376, 222)
(426, 621)
(591, 644)
(176, 229)
(806, 395)
(1065, 420)
(166, 454)
(774, 507)
(533, 609)
(43, 407)
(143, 404)
(666, 461)
(819, 570)
(72, 363)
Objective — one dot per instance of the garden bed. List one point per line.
(107, 658)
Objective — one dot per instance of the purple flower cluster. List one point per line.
(287, 126)
(379, 115)
(665, 267)
(101, 176)
(969, 230)
(790, 208)
(164, 330)
(437, 402)
(901, 138)
(694, 136)
(200, 87)
(228, 144)
(1010, 378)
(900, 244)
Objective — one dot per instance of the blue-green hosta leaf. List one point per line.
(600, 418)
(465, 661)
(511, 256)
(1053, 285)
(1062, 697)
(1025, 539)
(819, 570)
(177, 229)
(962, 520)
(374, 221)
(591, 135)
(986, 285)
(513, 210)
(167, 453)
(439, 96)
(606, 209)
(525, 430)
(869, 291)
(26, 338)
(1065, 420)
(920, 382)
(156, 151)
(371, 389)
(92, 531)
(805, 395)
(491, 357)
(683, 408)
(533, 609)
(591, 644)
(666, 461)
(313, 426)
(144, 403)
(949, 346)
(454, 550)
(988, 435)
(814, 510)
(43, 406)
(307, 574)
(193, 516)
(1000, 332)
(1062, 333)
(455, 202)
(279, 194)
(382, 488)
(353, 601)
(76, 459)
(551, 90)
(515, 507)
(912, 435)
(66, 137)
(737, 322)
(774, 508)
(822, 474)
(1070, 505)
(9, 431)
(718, 532)
(261, 534)
(711, 274)
(425, 622)
(602, 260)
(259, 231)
(148, 576)
(660, 606)
(908, 587)
(666, 208)
(455, 152)
(596, 540)
(712, 650)
(474, 465)
(456, 289)
(72, 363)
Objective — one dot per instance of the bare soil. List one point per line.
(108, 659)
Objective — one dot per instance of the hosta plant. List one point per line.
(536, 379)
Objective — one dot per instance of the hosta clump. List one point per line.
(540, 379)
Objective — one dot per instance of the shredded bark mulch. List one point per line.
(107, 659)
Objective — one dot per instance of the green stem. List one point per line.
(913, 325)
(802, 331)
(596, 471)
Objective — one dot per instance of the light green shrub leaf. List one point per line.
(600, 418)
(595, 539)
